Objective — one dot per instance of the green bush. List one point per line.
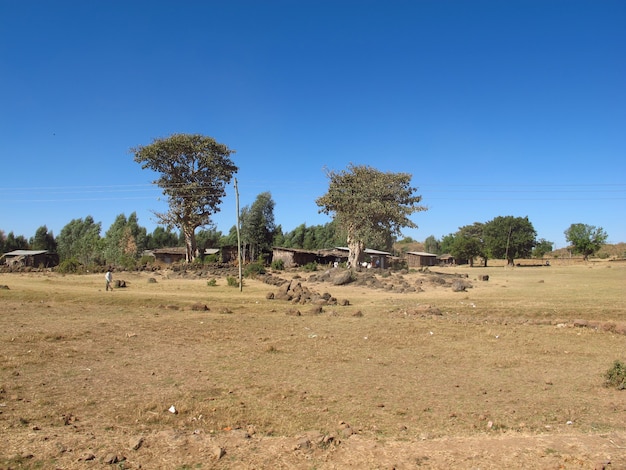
(253, 269)
(616, 376)
(312, 266)
(232, 281)
(211, 282)
(69, 266)
(210, 259)
(145, 260)
(278, 265)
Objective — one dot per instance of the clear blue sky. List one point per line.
(495, 107)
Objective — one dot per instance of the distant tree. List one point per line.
(447, 242)
(585, 239)
(14, 242)
(208, 239)
(231, 238)
(367, 203)
(258, 226)
(469, 243)
(80, 239)
(542, 247)
(125, 240)
(432, 245)
(279, 236)
(295, 238)
(509, 238)
(2, 241)
(161, 238)
(194, 171)
(43, 240)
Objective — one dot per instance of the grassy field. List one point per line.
(179, 374)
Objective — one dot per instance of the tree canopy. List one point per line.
(369, 205)
(194, 171)
(469, 243)
(509, 237)
(258, 226)
(586, 240)
(80, 239)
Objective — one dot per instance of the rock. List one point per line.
(5, 287)
(218, 452)
(199, 307)
(344, 277)
(152, 280)
(136, 443)
(269, 296)
(483, 277)
(111, 458)
(293, 312)
(302, 444)
(87, 456)
(459, 285)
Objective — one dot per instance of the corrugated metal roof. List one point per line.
(368, 251)
(420, 253)
(25, 252)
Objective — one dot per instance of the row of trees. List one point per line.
(368, 207)
(510, 238)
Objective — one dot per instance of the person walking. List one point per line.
(108, 277)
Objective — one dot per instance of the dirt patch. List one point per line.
(180, 374)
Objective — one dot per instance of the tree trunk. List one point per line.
(355, 254)
(190, 243)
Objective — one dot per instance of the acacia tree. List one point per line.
(194, 171)
(509, 238)
(369, 205)
(586, 239)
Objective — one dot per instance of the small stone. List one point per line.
(218, 452)
(87, 456)
(136, 443)
(110, 459)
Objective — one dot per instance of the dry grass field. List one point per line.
(507, 374)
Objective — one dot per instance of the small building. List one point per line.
(170, 255)
(449, 260)
(292, 257)
(418, 259)
(373, 258)
(30, 258)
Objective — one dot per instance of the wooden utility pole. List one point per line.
(238, 238)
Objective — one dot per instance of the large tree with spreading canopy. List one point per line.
(509, 237)
(369, 205)
(194, 171)
(585, 239)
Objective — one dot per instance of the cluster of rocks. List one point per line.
(294, 292)
(393, 282)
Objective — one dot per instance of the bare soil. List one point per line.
(394, 371)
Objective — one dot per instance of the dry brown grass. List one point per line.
(502, 370)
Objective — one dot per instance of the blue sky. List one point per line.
(496, 108)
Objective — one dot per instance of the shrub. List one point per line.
(278, 265)
(232, 281)
(211, 282)
(254, 269)
(210, 259)
(312, 266)
(146, 260)
(69, 266)
(616, 376)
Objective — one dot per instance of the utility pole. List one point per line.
(238, 238)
